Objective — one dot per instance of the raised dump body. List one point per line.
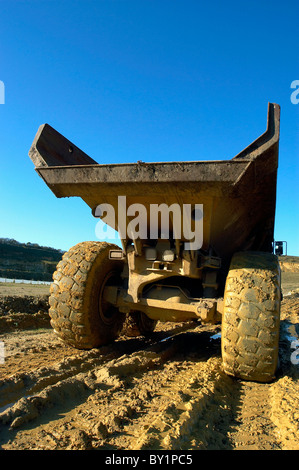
(238, 195)
(165, 277)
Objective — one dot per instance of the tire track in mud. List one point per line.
(254, 428)
(71, 362)
(83, 382)
(168, 392)
(73, 370)
(170, 395)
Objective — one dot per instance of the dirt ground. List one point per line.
(168, 392)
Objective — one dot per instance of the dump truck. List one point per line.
(207, 256)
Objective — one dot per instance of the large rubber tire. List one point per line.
(138, 324)
(251, 317)
(78, 312)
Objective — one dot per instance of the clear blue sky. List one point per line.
(151, 80)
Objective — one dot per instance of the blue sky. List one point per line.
(141, 80)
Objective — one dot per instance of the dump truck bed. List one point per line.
(238, 195)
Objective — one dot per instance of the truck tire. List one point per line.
(251, 317)
(138, 324)
(78, 313)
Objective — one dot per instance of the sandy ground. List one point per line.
(167, 392)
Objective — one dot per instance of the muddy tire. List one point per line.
(251, 317)
(78, 312)
(138, 324)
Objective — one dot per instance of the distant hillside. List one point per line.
(27, 260)
(289, 263)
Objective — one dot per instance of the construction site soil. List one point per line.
(166, 392)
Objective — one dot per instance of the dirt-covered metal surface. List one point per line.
(166, 392)
(232, 220)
